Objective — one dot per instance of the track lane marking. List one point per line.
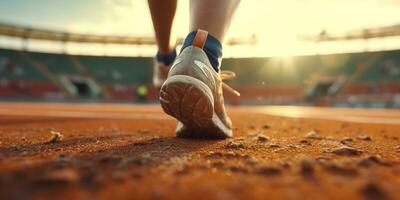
(330, 114)
(82, 114)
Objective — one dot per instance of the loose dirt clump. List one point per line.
(234, 145)
(346, 151)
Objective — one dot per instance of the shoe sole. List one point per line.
(191, 102)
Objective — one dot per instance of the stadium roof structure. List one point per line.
(368, 33)
(50, 35)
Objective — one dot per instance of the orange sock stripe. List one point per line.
(200, 38)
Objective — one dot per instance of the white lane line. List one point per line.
(81, 114)
(310, 114)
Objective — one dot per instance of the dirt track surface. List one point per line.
(130, 152)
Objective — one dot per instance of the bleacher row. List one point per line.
(19, 77)
(271, 80)
(105, 69)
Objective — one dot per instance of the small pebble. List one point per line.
(364, 137)
(251, 160)
(346, 141)
(55, 137)
(234, 145)
(262, 138)
(346, 151)
(312, 135)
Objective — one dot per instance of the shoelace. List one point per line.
(226, 75)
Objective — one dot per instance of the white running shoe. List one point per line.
(192, 94)
(160, 73)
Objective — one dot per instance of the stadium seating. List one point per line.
(57, 64)
(20, 68)
(260, 80)
(118, 70)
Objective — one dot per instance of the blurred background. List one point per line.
(339, 53)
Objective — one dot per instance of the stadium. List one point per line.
(81, 119)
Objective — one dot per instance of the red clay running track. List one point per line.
(130, 152)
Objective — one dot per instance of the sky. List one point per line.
(276, 23)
